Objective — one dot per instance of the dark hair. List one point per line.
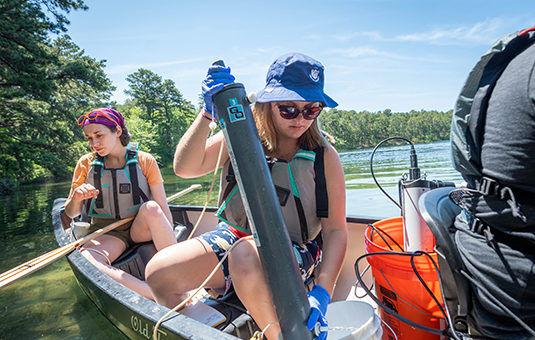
(125, 135)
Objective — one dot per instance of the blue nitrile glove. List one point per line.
(217, 77)
(318, 298)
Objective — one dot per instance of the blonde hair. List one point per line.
(266, 130)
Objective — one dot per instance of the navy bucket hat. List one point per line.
(295, 77)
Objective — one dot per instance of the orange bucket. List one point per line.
(398, 287)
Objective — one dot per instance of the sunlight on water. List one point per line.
(49, 304)
(389, 164)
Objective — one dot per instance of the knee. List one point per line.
(154, 272)
(244, 262)
(94, 256)
(151, 209)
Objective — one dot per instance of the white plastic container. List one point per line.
(355, 320)
(80, 229)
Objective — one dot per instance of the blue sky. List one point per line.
(378, 54)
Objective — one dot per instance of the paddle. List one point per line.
(41, 261)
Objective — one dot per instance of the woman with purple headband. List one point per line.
(113, 182)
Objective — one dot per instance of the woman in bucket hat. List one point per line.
(286, 114)
(113, 182)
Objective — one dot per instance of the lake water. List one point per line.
(49, 304)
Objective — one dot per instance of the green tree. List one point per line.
(44, 86)
(354, 130)
(145, 89)
(164, 106)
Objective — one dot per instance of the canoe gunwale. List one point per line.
(114, 300)
(106, 292)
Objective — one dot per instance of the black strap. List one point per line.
(492, 234)
(87, 205)
(322, 199)
(131, 153)
(490, 187)
(135, 183)
(231, 180)
(302, 219)
(97, 172)
(115, 194)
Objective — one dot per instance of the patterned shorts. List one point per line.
(221, 239)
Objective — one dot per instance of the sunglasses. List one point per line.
(94, 115)
(291, 112)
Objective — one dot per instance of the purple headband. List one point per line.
(105, 116)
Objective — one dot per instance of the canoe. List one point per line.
(135, 316)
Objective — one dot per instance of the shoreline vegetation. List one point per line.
(47, 82)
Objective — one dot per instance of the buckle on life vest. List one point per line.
(488, 186)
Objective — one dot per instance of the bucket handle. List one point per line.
(358, 284)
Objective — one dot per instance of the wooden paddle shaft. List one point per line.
(37, 263)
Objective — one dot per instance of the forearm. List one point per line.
(73, 207)
(334, 250)
(190, 151)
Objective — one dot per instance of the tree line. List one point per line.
(47, 82)
(355, 130)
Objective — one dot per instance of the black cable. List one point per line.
(386, 308)
(453, 331)
(414, 163)
(419, 253)
(233, 305)
(381, 231)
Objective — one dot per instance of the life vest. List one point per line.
(468, 119)
(300, 187)
(121, 191)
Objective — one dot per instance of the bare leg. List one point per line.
(112, 247)
(151, 224)
(180, 268)
(251, 286)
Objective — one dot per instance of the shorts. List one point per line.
(308, 256)
(122, 232)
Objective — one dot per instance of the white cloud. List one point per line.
(483, 32)
(355, 52)
(480, 33)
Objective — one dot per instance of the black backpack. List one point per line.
(470, 110)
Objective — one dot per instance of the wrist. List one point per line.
(206, 115)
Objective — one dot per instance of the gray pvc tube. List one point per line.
(263, 210)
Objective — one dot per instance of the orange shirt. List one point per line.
(146, 162)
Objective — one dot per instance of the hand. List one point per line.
(318, 298)
(217, 77)
(85, 191)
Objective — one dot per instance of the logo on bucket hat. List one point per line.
(295, 77)
(315, 74)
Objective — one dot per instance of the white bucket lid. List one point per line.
(355, 320)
